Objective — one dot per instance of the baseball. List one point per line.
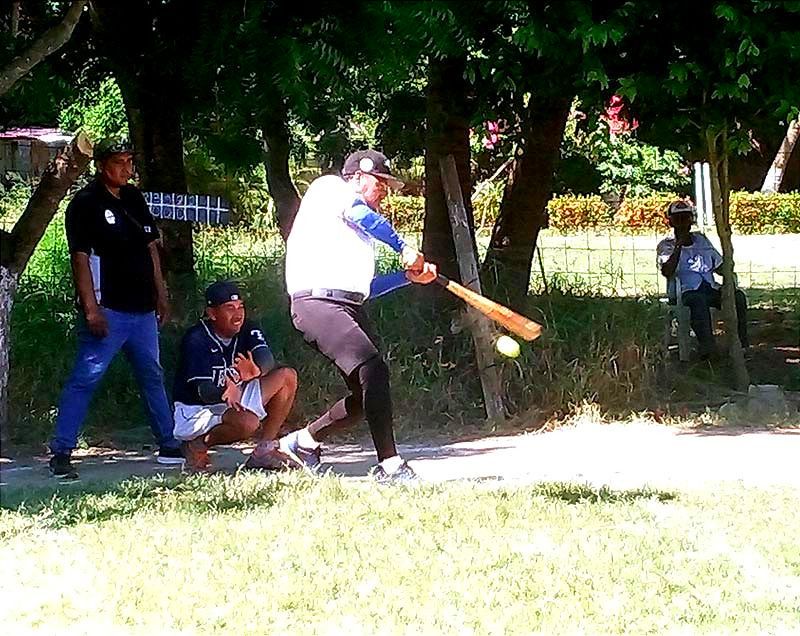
(507, 346)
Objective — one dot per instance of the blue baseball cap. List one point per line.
(221, 292)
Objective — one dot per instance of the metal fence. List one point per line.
(601, 263)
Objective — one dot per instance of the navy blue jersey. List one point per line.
(204, 357)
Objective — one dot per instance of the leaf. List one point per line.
(744, 46)
(726, 12)
(743, 81)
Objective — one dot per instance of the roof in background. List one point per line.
(46, 135)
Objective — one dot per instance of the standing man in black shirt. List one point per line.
(112, 241)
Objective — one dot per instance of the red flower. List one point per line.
(618, 118)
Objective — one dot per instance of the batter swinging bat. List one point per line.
(511, 320)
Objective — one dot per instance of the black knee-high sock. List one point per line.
(370, 396)
(374, 378)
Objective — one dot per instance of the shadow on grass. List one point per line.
(584, 493)
(198, 494)
(787, 427)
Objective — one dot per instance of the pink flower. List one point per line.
(493, 130)
(617, 117)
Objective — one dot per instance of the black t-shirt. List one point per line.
(204, 357)
(115, 233)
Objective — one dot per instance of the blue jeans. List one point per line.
(137, 335)
(699, 301)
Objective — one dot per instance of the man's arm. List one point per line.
(84, 284)
(375, 225)
(379, 227)
(669, 266)
(259, 360)
(387, 283)
(80, 239)
(162, 297)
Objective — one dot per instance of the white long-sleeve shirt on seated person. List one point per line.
(331, 244)
(696, 264)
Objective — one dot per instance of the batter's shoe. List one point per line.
(403, 475)
(308, 457)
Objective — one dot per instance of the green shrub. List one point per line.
(751, 213)
(14, 195)
(644, 214)
(407, 213)
(757, 213)
(573, 212)
(487, 204)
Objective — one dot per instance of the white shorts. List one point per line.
(194, 420)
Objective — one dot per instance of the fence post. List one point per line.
(481, 327)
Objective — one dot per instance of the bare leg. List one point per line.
(278, 389)
(236, 426)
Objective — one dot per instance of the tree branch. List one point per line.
(49, 42)
(61, 173)
(15, 18)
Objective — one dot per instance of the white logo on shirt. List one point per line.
(147, 229)
(257, 334)
(110, 218)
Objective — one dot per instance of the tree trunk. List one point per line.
(8, 287)
(276, 162)
(507, 268)
(151, 90)
(19, 244)
(47, 43)
(447, 134)
(157, 137)
(774, 178)
(720, 203)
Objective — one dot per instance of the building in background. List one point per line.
(27, 151)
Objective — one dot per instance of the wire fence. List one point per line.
(597, 263)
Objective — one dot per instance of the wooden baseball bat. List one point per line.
(511, 320)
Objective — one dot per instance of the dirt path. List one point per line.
(617, 455)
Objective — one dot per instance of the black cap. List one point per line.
(680, 207)
(370, 162)
(221, 292)
(111, 146)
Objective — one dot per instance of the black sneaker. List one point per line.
(308, 457)
(61, 466)
(403, 475)
(170, 456)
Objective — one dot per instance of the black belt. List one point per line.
(330, 294)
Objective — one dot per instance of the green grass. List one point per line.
(257, 554)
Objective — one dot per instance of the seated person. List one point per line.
(227, 385)
(689, 259)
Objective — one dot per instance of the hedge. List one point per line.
(751, 212)
(756, 213)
